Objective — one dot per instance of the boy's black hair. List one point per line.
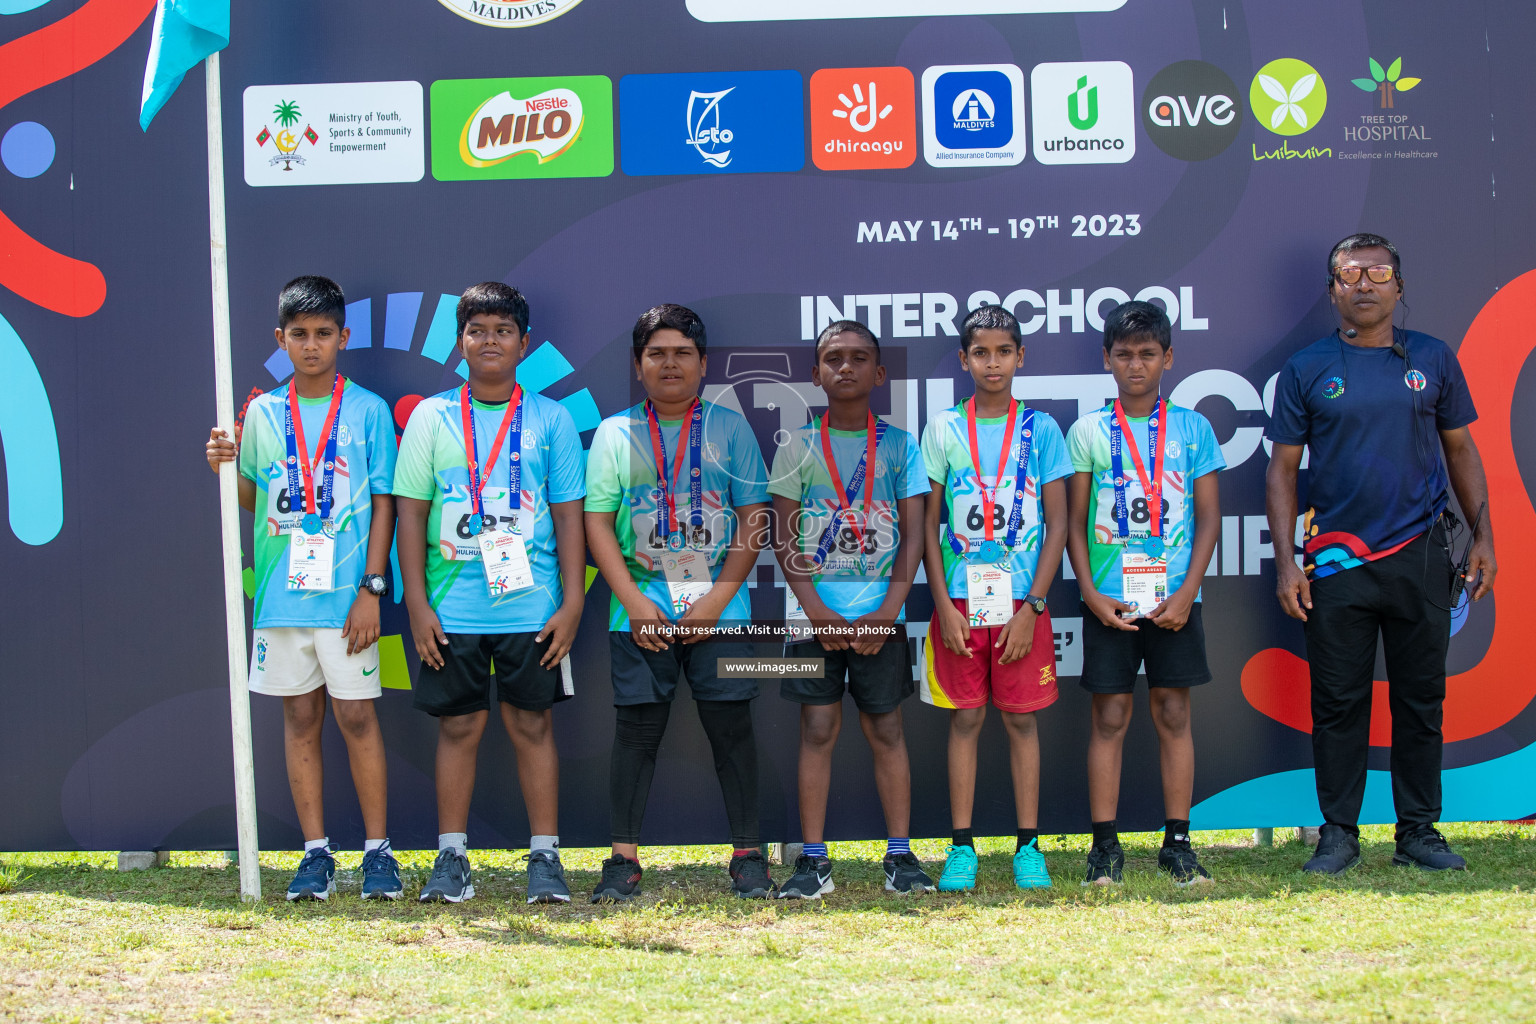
(496, 298)
(311, 295)
(1133, 319)
(838, 327)
(989, 318)
(668, 315)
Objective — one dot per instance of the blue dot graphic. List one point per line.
(20, 6)
(27, 149)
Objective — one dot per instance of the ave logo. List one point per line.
(522, 128)
(1190, 110)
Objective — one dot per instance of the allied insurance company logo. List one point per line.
(1084, 112)
(712, 123)
(522, 128)
(1191, 110)
(509, 15)
(863, 118)
(973, 114)
(1288, 98)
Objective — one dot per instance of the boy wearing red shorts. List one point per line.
(999, 468)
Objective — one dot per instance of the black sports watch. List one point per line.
(374, 584)
(1037, 603)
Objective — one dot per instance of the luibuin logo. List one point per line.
(1083, 105)
(1386, 83)
(1288, 96)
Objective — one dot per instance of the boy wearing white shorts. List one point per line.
(317, 464)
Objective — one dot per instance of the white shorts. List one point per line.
(289, 661)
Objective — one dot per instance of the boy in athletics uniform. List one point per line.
(316, 461)
(1139, 572)
(676, 512)
(998, 467)
(849, 552)
(492, 555)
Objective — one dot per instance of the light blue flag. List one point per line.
(186, 32)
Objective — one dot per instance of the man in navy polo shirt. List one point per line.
(1375, 404)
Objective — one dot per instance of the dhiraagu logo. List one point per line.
(1288, 96)
(522, 128)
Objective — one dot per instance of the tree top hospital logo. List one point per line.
(1288, 96)
(1084, 112)
(1386, 83)
(522, 128)
(862, 118)
(509, 15)
(713, 123)
(973, 114)
(1190, 110)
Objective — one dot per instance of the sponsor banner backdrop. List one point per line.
(758, 161)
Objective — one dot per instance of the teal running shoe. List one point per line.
(1029, 867)
(959, 869)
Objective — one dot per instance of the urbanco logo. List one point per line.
(509, 15)
(973, 114)
(1191, 110)
(522, 128)
(1084, 112)
(712, 123)
(1288, 96)
(863, 118)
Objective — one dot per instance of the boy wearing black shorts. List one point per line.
(1145, 515)
(676, 513)
(489, 488)
(848, 499)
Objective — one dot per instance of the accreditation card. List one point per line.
(311, 561)
(1144, 582)
(988, 594)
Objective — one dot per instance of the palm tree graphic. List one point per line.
(287, 115)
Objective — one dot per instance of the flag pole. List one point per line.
(229, 501)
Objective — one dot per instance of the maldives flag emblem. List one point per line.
(309, 133)
(261, 139)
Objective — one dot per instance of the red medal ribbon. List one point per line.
(1153, 489)
(660, 451)
(837, 479)
(306, 467)
(471, 445)
(990, 498)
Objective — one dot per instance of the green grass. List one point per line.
(79, 941)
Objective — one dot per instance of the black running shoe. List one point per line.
(903, 873)
(749, 877)
(546, 878)
(812, 879)
(620, 882)
(1423, 847)
(1179, 861)
(451, 881)
(1337, 851)
(1106, 865)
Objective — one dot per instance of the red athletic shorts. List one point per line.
(955, 682)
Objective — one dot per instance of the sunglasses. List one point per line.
(1380, 274)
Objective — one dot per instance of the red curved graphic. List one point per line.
(1487, 696)
(28, 267)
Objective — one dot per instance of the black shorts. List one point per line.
(463, 685)
(650, 677)
(1112, 658)
(879, 682)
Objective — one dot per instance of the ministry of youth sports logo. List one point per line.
(509, 15)
(706, 135)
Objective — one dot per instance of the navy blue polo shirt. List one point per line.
(1376, 479)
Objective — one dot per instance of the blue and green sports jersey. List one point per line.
(433, 467)
(621, 478)
(849, 585)
(1191, 453)
(365, 466)
(947, 456)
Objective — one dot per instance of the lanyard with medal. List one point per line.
(686, 568)
(989, 584)
(312, 548)
(863, 478)
(1144, 566)
(502, 552)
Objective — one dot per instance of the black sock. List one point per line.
(962, 837)
(1176, 832)
(728, 726)
(1105, 833)
(1026, 836)
(638, 729)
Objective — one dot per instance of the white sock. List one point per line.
(550, 843)
(315, 844)
(458, 842)
(369, 845)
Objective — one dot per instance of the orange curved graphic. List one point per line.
(1499, 687)
(28, 267)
